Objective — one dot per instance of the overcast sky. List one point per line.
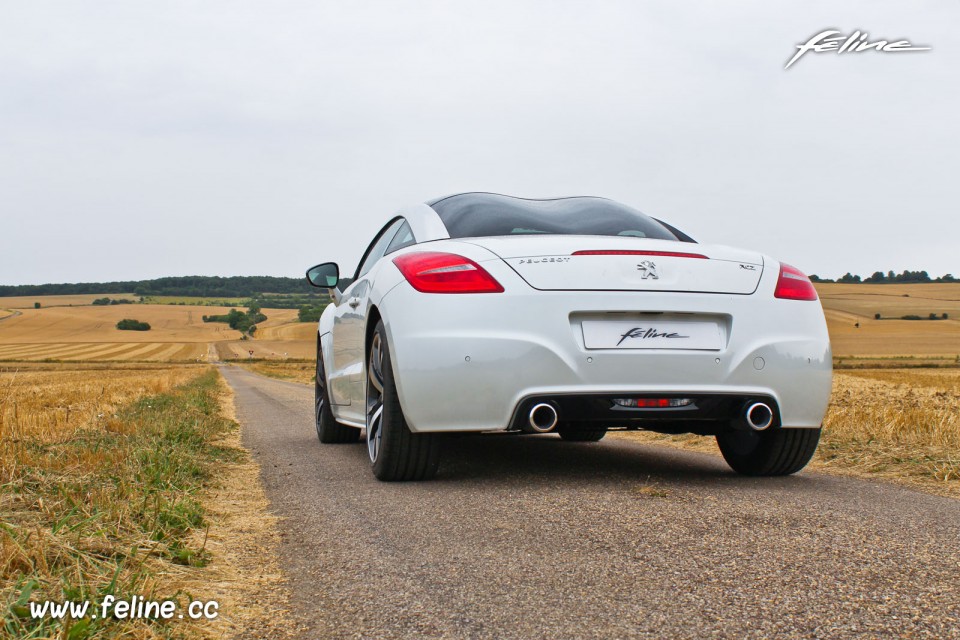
(146, 139)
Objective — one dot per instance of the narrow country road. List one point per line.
(532, 537)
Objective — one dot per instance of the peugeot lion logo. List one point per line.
(649, 270)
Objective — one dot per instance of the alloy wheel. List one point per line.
(375, 398)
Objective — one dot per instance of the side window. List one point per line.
(404, 238)
(379, 247)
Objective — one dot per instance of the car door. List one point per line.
(346, 379)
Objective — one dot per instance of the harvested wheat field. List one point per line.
(891, 337)
(177, 334)
(98, 324)
(848, 305)
(892, 300)
(282, 325)
(78, 300)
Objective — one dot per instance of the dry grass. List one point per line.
(302, 372)
(902, 425)
(897, 424)
(100, 486)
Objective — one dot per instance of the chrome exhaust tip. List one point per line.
(759, 416)
(543, 418)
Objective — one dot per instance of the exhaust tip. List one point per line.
(543, 418)
(759, 416)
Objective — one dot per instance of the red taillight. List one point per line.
(794, 285)
(671, 254)
(434, 272)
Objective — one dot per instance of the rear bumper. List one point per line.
(706, 414)
(469, 362)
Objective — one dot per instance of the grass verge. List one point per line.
(106, 505)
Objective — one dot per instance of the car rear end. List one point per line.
(621, 331)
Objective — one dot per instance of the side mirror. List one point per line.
(324, 275)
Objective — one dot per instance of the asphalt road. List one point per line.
(532, 537)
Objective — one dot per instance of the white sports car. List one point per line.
(480, 312)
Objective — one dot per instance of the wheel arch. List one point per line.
(373, 317)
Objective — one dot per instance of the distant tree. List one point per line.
(945, 316)
(876, 316)
(876, 277)
(36, 305)
(101, 302)
(849, 278)
(911, 317)
(933, 316)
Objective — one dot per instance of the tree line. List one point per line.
(890, 277)
(202, 286)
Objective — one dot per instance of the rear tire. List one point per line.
(779, 452)
(396, 453)
(573, 432)
(329, 431)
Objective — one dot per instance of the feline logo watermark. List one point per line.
(856, 42)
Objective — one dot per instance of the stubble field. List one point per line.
(177, 334)
(847, 306)
(76, 300)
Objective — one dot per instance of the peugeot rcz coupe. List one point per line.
(480, 312)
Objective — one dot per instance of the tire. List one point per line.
(573, 432)
(396, 453)
(768, 453)
(328, 429)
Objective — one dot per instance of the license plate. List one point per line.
(653, 334)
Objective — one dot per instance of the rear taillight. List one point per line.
(794, 285)
(671, 254)
(434, 272)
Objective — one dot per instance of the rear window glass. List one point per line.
(473, 215)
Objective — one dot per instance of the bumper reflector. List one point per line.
(652, 403)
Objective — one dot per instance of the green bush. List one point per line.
(310, 313)
(128, 324)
